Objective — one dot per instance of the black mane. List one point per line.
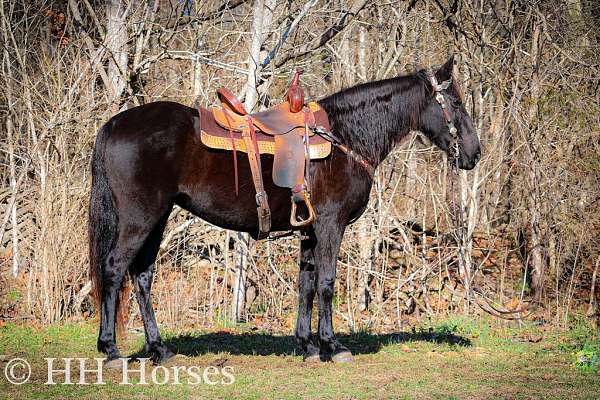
(371, 118)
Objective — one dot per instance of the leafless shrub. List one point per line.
(531, 225)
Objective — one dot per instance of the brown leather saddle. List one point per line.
(286, 131)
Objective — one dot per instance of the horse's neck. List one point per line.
(376, 134)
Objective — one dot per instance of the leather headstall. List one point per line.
(454, 152)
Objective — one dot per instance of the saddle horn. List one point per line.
(295, 94)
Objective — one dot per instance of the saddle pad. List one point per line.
(214, 136)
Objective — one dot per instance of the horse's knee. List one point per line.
(143, 282)
(307, 266)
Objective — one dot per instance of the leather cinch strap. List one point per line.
(264, 213)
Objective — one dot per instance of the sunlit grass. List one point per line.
(452, 358)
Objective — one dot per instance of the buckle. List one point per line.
(452, 129)
(261, 198)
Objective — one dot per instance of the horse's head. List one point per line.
(445, 120)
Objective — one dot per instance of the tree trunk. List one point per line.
(116, 43)
(262, 17)
(258, 13)
(535, 258)
(12, 205)
(198, 66)
(240, 259)
(362, 52)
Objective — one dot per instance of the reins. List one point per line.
(335, 141)
(476, 294)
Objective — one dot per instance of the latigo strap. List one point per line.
(264, 213)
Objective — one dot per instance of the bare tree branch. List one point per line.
(329, 34)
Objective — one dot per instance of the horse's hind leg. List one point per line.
(118, 261)
(141, 273)
(307, 289)
(135, 227)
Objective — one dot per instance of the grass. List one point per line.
(456, 358)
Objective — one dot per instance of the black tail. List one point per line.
(103, 226)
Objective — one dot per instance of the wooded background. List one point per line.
(530, 234)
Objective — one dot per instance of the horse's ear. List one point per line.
(445, 71)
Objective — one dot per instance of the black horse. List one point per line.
(149, 158)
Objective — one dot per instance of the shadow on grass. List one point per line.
(265, 344)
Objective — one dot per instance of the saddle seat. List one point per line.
(277, 120)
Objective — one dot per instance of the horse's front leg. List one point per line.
(306, 294)
(329, 236)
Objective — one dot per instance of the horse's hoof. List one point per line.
(312, 359)
(342, 357)
(115, 363)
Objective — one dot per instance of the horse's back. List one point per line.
(145, 145)
(165, 117)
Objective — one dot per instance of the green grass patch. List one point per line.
(455, 358)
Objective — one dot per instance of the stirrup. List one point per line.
(297, 222)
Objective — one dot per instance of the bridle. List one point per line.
(454, 156)
(454, 148)
(454, 153)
